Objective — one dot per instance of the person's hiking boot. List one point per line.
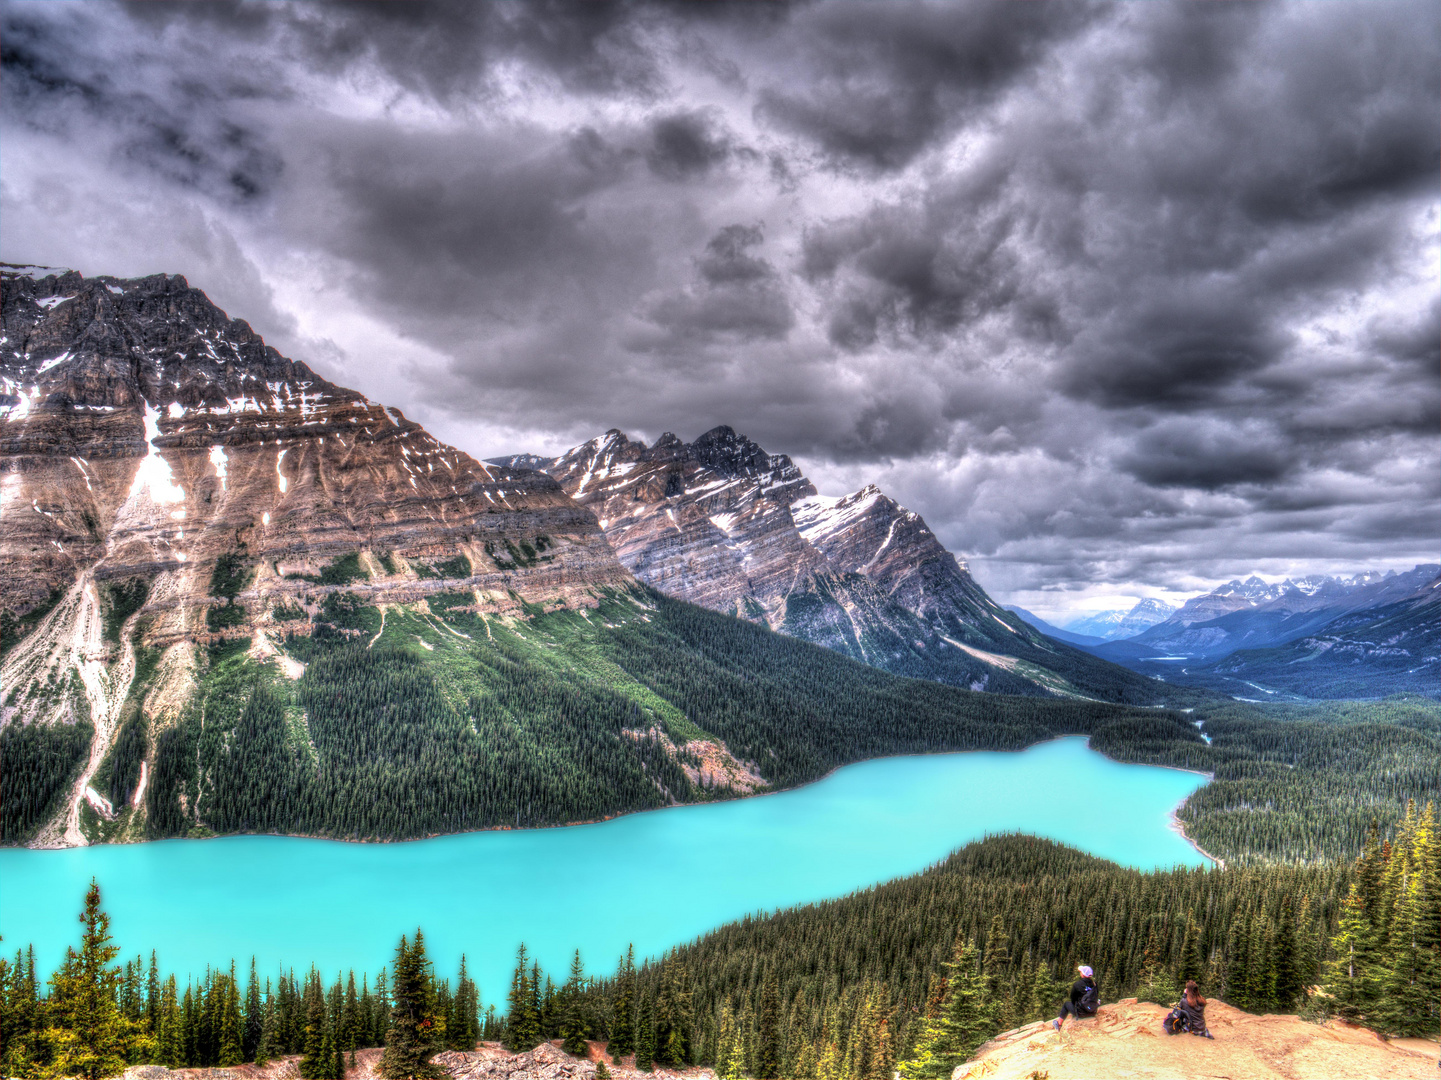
(1056, 1024)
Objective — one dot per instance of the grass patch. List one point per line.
(229, 576)
(119, 600)
(340, 571)
(458, 567)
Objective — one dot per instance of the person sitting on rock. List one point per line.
(1189, 1013)
(1084, 999)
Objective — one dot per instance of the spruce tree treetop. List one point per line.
(411, 1040)
(91, 1037)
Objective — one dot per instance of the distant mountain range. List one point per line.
(1258, 632)
(1113, 625)
(1054, 631)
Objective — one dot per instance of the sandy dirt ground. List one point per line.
(1125, 1042)
(488, 1061)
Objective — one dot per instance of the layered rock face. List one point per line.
(722, 523)
(707, 521)
(144, 433)
(163, 470)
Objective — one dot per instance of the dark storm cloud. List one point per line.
(1189, 455)
(179, 128)
(685, 146)
(737, 296)
(446, 50)
(913, 273)
(875, 84)
(1105, 291)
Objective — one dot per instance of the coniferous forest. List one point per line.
(408, 724)
(435, 722)
(911, 975)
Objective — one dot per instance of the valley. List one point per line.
(235, 597)
(245, 606)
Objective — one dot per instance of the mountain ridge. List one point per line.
(724, 524)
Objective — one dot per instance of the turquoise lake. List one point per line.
(656, 879)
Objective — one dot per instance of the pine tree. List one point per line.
(152, 996)
(380, 1023)
(768, 1064)
(1238, 962)
(18, 1017)
(351, 1025)
(573, 1028)
(170, 1038)
(963, 1024)
(622, 1022)
(410, 1042)
(1289, 982)
(253, 1016)
(728, 1050)
(319, 1052)
(265, 1045)
(997, 973)
(90, 1036)
(522, 1030)
(1043, 993)
(230, 1028)
(1193, 954)
(463, 1029)
(645, 1037)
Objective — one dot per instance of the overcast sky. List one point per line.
(1125, 299)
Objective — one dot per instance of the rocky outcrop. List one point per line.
(489, 1061)
(707, 521)
(1125, 1041)
(545, 1062)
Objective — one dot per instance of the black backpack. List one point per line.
(1090, 1000)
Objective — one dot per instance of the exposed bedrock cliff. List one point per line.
(144, 434)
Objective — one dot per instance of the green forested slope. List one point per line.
(1296, 782)
(413, 722)
(443, 721)
(1025, 912)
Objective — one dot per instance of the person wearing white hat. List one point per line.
(1084, 999)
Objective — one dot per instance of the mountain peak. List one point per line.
(722, 449)
(110, 386)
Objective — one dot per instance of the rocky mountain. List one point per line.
(1253, 614)
(162, 470)
(1115, 625)
(238, 598)
(722, 523)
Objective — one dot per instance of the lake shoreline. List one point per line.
(1210, 777)
(1179, 828)
(667, 878)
